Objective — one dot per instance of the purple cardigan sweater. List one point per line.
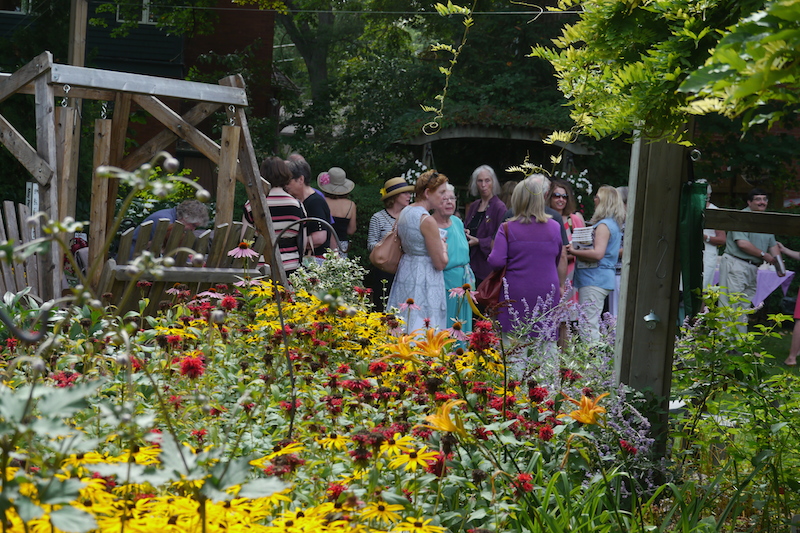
(494, 216)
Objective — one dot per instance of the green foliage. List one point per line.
(621, 64)
(739, 414)
(754, 69)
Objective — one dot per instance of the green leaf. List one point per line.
(73, 520)
(54, 491)
(234, 472)
(261, 488)
(64, 402)
(27, 510)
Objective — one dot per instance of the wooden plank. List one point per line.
(13, 234)
(98, 211)
(30, 265)
(119, 134)
(749, 221)
(68, 139)
(218, 243)
(7, 282)
(226, 175)
(650, 272)
(125, 242)
(26, 154)
(164, 138)
(251, 178)
(23, 76)
(156, 245)
(78, 17)
(50, 263)
(141, 84)
(193, 274)
(74, 92)
(175, 123)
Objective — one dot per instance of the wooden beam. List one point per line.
(35, 68)
(74, 92)
(119, 134)
(78, 18)
(179, 126)
(643, 356)
(254, 185)
(226, 176)
(50, 263)
(99, 211)
(26, 154)
(733, 220)
(68, 139)
(164, 138)
(141, 84)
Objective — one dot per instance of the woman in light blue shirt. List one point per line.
(595, 271)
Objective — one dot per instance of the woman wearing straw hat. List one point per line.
(336, 187)
(396, 195)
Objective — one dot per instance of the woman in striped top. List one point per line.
(284, 209)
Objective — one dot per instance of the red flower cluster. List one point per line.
(377, 368)
(570, 375)
(65, 378)
(523, 482)
(200, 435)
(192, 367)
(482, 337)
(545, 432)
(229, 303)
(538, 394)
(335, 490)
(11, 343)
(628, 447)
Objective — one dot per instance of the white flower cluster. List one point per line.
(411, 175)
(580, 184)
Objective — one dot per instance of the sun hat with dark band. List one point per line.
(335, 181)
(395, 186)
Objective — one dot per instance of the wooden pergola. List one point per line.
(53, 161)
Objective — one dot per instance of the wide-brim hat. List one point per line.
(395, 186)
(334, 181)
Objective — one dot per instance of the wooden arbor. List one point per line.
(52, 161)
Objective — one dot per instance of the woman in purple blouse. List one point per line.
(483, 218)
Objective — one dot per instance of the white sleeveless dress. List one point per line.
(416, 277)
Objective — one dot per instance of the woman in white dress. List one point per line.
(418, 288)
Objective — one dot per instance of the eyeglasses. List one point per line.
(559, 195)
(449, 200)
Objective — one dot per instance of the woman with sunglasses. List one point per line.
(562, 200)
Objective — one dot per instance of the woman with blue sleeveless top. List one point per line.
(595, 270)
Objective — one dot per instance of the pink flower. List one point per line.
(456, 292)
(243, 250)
(409, 304)
(324, 178)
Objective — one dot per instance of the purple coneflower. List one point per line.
(243, 250)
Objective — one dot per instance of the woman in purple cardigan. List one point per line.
(483, 218)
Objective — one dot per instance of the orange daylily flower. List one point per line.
(434, 342)
(441, 421)
(587, 409)
(403, 350)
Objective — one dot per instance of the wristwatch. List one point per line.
(763, 253)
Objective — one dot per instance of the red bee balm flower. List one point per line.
(192, 367)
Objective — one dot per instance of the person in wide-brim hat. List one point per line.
(335, 182)
(395, 186)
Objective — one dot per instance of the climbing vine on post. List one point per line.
(434, 125)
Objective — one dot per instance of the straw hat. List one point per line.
(395, 186)
(335, 182)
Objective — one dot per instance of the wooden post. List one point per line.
(119, 132)
(254, 184)
(226, 177)
(99, 210)
(650, 273)
(67, 153)
(50, 263)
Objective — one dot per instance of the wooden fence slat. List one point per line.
(98, 212)
(26, 154)
(215, 255)
(31, 263)
(13, 234)
(7, 283)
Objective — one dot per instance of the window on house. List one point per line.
(145, 15)
(15, 6)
